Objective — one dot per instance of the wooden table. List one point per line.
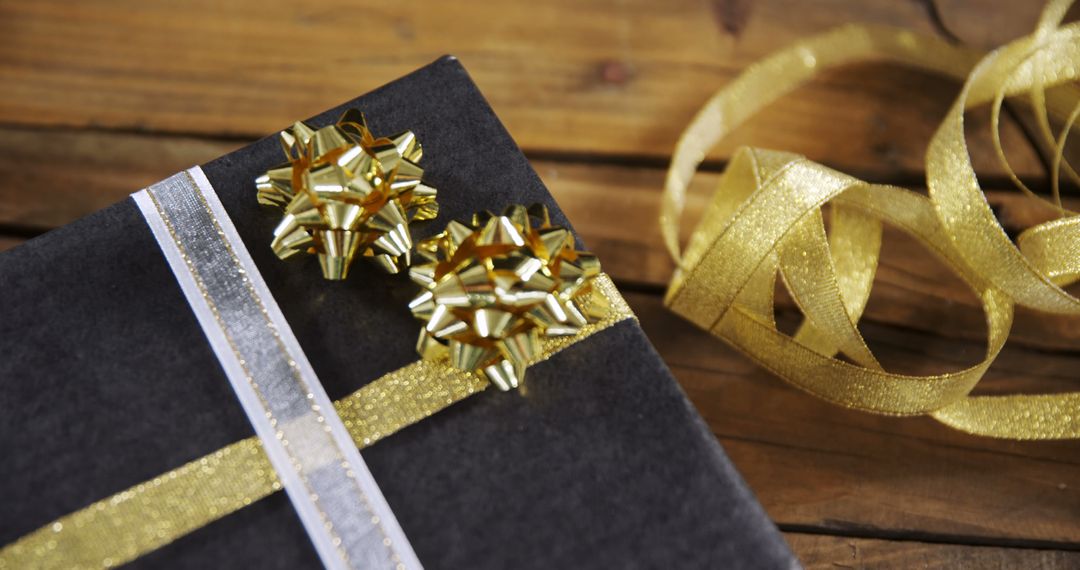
(100, 98)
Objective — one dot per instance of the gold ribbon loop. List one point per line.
(1053, 248)
(766, 219)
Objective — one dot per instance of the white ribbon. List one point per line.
(330, 486)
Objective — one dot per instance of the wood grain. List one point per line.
(9, 242)
(813, 464)
(88, 171)
(614, 77)
(837, 552)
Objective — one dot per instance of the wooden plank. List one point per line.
(52, 177)
(7, 242)
(614, 77)
(993, 26)
(613, 206)
(838, 552)
(816, 465)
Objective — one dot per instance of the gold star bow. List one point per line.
(344, 192)
(494, 287)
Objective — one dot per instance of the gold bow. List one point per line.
(345, 191)
(494, 287)
(766, 220)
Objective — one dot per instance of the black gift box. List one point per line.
(109, 381)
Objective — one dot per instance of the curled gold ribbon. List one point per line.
(766, 219)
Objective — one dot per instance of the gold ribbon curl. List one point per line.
(766, 219)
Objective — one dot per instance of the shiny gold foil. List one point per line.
(493, 288)
(146, 517)
(766, 220)
(345, 193)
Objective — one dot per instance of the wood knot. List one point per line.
(614, 72)
(731, 15)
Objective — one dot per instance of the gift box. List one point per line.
(110, 382)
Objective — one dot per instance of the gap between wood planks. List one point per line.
(914, 536)
(832, 552)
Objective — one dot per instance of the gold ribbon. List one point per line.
(154, 513)
(766, 219)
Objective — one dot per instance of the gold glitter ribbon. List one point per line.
(154, 513)
(766, 220)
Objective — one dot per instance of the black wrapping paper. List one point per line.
(108, 381)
